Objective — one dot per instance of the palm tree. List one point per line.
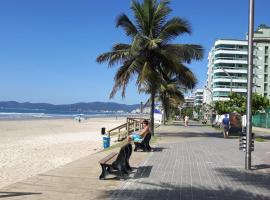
(171, 89)
(150, 53)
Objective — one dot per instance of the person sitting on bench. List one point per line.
(138, 137)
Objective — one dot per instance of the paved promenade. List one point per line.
(187, 163)
(197, 163)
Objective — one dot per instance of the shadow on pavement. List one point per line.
(158, 149)
(261, 166)
(14, 194)
(146, 190)
(247, 177)
(265, 137)
(191, 134)
(143, 172)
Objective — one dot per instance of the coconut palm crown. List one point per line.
(150, 54)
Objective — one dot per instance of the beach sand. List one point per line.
(30, 147)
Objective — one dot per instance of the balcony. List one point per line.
(222, 88)
(230, 51)
(221, 98)
(228, 79)
(231, 61)
(231, 71)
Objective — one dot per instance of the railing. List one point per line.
(229, 67)
(230, 49)
(233, 77)
(228, 86)
(132, 125)
(230, 58)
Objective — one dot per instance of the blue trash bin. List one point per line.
(106, 142)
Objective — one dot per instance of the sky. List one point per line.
(48, 48)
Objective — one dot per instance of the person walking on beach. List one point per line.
(225, 126)
(186, 120)
(138, 137)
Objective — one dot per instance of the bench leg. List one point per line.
(148, 147)
(128, 166)
(121, 173)
(136, 147)
(103, 173)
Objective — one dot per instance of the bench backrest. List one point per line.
(124, 153)
(147, 138)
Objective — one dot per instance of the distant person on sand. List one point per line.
(138, 137)
(186, 120)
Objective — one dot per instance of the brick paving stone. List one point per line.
(196, 163)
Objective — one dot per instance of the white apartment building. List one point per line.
(262, 61)
(198, 97)
(228, 61)
(227, 67)
(189, 102)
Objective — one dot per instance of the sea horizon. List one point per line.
(17, 114)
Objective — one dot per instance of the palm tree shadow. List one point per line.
(248, 177)
(168, 191)
(187, 134)
(157, 149)
(261, 166)
(14, 194)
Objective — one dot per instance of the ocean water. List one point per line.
(8, 113)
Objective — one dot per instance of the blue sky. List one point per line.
(48, 47)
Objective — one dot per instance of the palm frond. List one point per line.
(121, 46)
(114, 57)
(124, 74)
(186, 52)
(121, 80)
(124, 22)
(173, 28)
(160, 16)
(139, 15)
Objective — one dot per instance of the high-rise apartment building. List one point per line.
(198, 97)
(228, 62)
(262, 61)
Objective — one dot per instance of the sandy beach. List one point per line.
(30, 147)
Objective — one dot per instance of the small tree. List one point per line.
(187, 112)
(237, 103)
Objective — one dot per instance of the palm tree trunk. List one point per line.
(152, 112)
(164, 113)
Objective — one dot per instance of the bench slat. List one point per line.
(108, 158)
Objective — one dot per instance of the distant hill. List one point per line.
(77, 107)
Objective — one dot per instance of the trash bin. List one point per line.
(106, 142)
(103, 131)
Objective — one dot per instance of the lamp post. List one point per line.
(229, 76)
(249, 84)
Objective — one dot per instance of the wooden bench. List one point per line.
(116, 163)
(144, 145)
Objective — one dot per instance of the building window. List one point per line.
(265, 68)
(265, 78)
(266, 50)
(265, 59)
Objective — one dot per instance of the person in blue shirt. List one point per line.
(226, 126)
(138, 137)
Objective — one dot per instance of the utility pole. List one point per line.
(249, 85)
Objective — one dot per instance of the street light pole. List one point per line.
(249, 85)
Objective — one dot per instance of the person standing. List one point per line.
(186, 120)
(226, 126)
